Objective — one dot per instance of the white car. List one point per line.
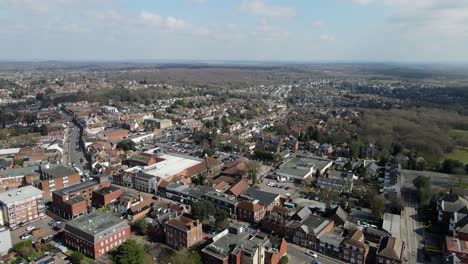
(29, 228)
(25, 236)
(312, 254)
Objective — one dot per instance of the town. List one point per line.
(159, 172)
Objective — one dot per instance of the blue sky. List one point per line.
(273, 30)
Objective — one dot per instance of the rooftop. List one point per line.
(264, 198)
(76, 188)
(172, 164)
(107, 190)
(391, 224)
(19, 171)
(301, 166)
(19, 194)
(90, 225)
(59, 171)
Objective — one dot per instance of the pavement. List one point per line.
(38, 223)
(293, 188)
(297, 255)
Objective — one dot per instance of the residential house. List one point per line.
(390, 251)
(183, 232)
(355, 250)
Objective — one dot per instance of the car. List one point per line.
(51, 223)
(317, 262)
(312, 254)
(29, 228)
(25, 236)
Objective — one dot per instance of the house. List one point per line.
(338, 215)
(237, 169)
(250, 211)
(237, 245)
(456, 247)
(452, 214)
(105, 196)
(183, 232)
(390, 250)
(238, 188)
(307, 233)
(266, 199)
(331, 243)
(354, 248)
(301, 167)
(145, 182)
(141, 159)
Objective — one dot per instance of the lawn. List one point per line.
(459, 136)
(460, 154)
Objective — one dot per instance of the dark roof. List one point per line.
(75, 200)
(77, 188)
(264, 198)
(452, 259)
(59, 172)
(107, 190)
(145, 176)
(303, 213)
(340, 213)
(375, 232)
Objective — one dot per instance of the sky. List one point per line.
(253, 30)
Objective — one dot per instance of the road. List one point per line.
(412, 226)
(297, 255)
(74, 154)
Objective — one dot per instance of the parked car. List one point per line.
(25, 236)
(312, 254)
(29, 228)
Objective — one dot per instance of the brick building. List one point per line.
(250, 211)
(105, 196)
(307, 232)
(354, 248)
(390, 251)
(21, 206)
(114, 134)
(96, 234)
(183, 232)
(74, 201)
(53, 179)
(457, 247)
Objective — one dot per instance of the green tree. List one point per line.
(130, 252)
(142, 227)
(378, 206)
(24, 248)
(201, 210)
(186, 256)
(126, 145)
(76, 257)
(284, 260)
(221, 219)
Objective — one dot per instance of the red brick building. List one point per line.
(106, 195)
(183, 232)
(307, 232)
(115, 134)
(57, 178)
(354, 248)
(142, 159)
(250, 211)
(96, 234)
(74, 201)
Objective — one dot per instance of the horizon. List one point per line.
(322, 31)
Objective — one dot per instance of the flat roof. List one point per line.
(391, 224)
(301, 165)
(77, 187)
(59, 171)
(90, 225)
(172, 165)
(16, 195)
(19, 171)
(9, 151)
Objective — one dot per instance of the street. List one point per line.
(412, 228)
(297, 255)
(73, 153)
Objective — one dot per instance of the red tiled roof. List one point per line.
(238, 188)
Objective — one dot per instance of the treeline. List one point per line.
(422, 131)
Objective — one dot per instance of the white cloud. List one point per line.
(326, 37)
(262, 9)
(318, 24)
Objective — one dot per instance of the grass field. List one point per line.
(459, 134)
(460, 154)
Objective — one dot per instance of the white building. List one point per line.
(5, 241)
(21, 205)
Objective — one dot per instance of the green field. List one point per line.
(460, 154)
(458, 134)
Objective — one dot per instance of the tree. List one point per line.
(452, 167)
(126, 145)
(221, 219)
(284, 260)
(317, 173)
(76, 257)
(24, 248)
(142, 227)
(186, 256)
(201, 210)
(44, 130)
(378, 206)
(252, 169)
(130, 252)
